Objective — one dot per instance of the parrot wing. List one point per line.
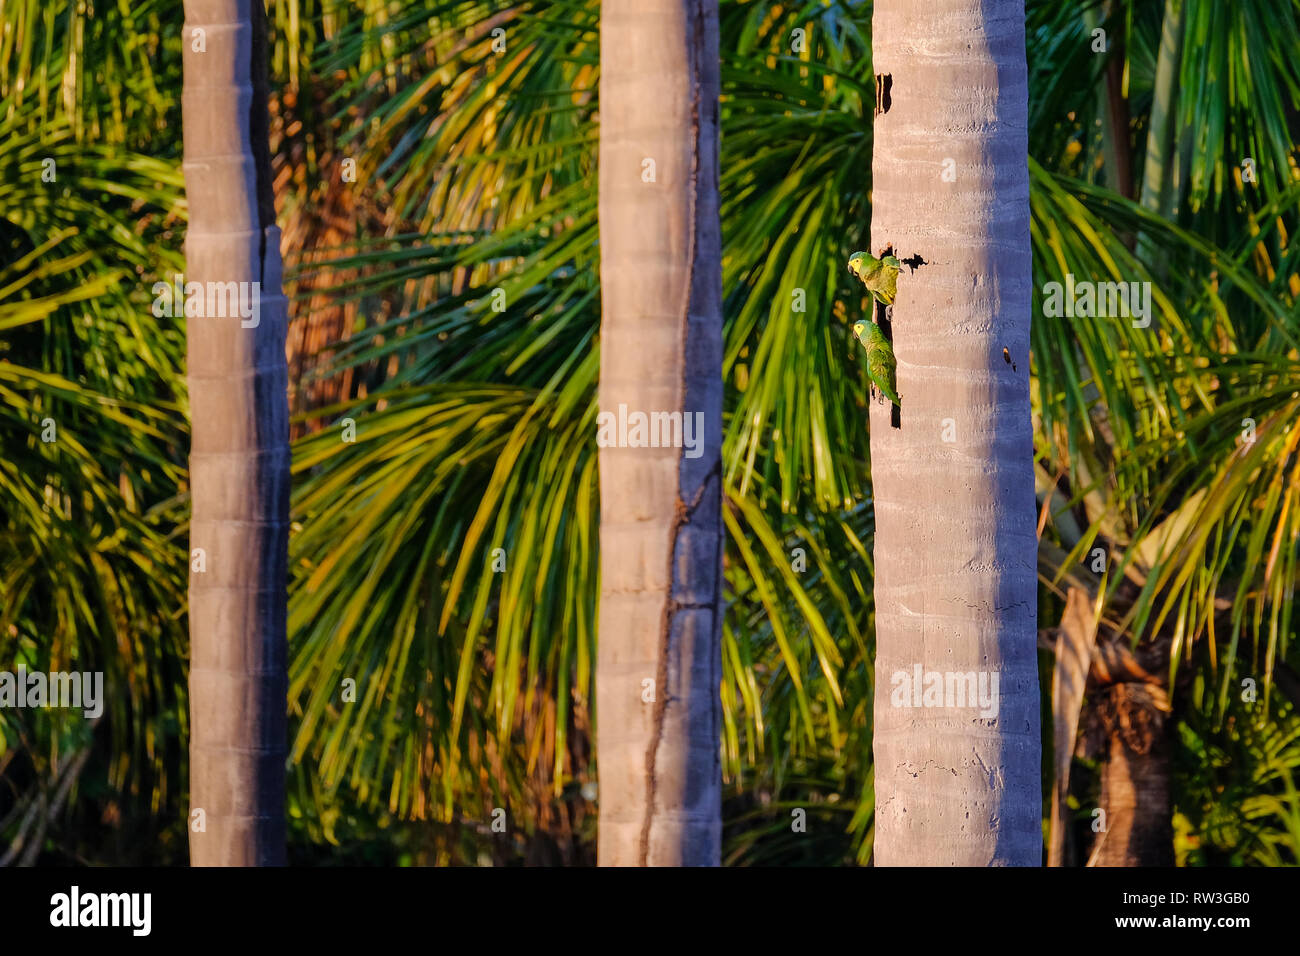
(882, 282)
(882, 367)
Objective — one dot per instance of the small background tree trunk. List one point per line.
(1135, 781)
(239, 457)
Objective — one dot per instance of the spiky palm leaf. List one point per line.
(92, 422)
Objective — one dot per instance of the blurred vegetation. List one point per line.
(476, 172)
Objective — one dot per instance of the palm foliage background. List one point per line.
(446, 303)
(91, 575)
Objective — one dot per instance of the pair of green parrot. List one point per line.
(880, 276)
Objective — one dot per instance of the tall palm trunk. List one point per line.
(953, 485)
(239, 458)
(659, 662)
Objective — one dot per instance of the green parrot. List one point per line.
(880, 276)
(881, 364)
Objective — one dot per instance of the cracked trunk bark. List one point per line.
(659, 658)
(239, 455)
(953, 485)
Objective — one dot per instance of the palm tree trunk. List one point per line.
(1135, 776)
(239, 457)
(659, 661)
(953, 485)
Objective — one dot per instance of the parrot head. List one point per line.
(859, 263)
(859, 329)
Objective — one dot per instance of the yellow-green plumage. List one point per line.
(880, 276)
(881, 364)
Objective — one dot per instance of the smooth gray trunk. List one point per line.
(239, 456)
(659, 660)
(953, 486)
